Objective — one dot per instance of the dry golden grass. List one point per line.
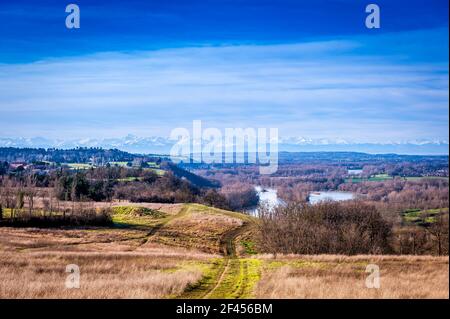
(142, 263)
(199, 228)
(102, 275)
(66, 239)
(153, 271)
(113, 264)
(331, 276)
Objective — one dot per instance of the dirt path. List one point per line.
(228, 277)
(183, 211)
(235, 277)
(142, 238)
(220, 280)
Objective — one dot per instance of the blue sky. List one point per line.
(310, 68)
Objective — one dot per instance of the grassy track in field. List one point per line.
(230, 277)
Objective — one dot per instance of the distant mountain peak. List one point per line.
(162, 145)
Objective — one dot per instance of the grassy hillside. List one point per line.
(194, 251)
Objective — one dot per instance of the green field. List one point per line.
(153, 164)
(153, 167)
(121, 164)
(129, 179)
(374, 178)
(136, 216)
(422, 217)
(386, 177)
(157, 171)
(79, 165)
(418, 178)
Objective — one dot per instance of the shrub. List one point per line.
(79, 217)
(326, 228)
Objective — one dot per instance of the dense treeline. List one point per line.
(430, 240)
(24, 214)
(394, 195)
(391, 194)
(76, 155)
(124, 183)
(107, 183)
(240, 196)
(328, 228)
(345, 228)
(165, 189)
(296, 180)
(193, 178)
(375, 223)
(399, 194)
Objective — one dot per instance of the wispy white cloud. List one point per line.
(317, 89)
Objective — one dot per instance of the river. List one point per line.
(269, 198)
(316, 197)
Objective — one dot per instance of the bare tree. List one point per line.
(331, 228)
(439, 233)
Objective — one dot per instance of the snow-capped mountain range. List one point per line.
(162, 145)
